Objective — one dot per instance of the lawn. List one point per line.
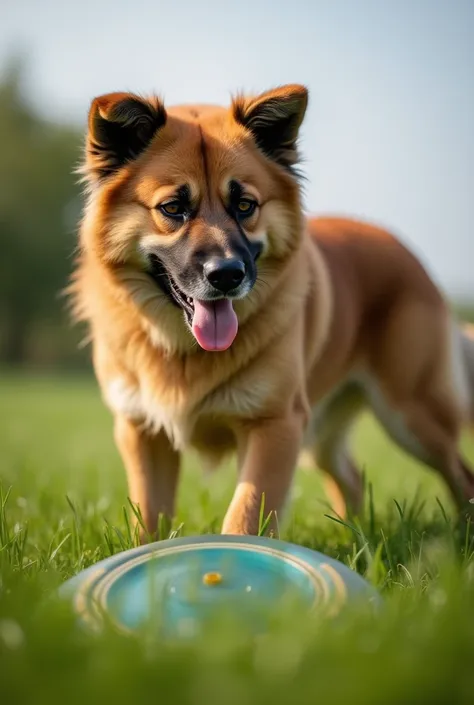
(62, 509)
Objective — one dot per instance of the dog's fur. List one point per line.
(334, 315)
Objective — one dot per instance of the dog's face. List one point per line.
(202, 200)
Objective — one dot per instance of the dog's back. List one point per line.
(393, 346)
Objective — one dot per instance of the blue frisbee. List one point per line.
(179, 584)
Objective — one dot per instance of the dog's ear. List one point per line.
(121, 125)
(274, 119)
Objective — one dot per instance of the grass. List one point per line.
(63, 507)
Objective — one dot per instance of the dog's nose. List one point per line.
(224, 274)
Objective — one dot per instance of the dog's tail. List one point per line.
(468, 355)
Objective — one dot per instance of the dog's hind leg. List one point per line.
(326, 445)
(430, 433)
(467, 341)
(419, 393)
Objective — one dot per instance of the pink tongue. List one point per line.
(214, 324)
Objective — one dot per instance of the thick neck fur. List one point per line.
(133, 320)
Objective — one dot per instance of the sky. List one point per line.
(389, 133)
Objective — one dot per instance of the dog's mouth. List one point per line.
(169, 287)
(213, 323)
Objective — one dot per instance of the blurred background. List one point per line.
(388, 134)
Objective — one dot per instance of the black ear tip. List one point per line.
(298, 88)
(274, 119)
(305, 93)
(102, 104)
(121, 125)
(298, 94)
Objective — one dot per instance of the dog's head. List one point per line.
(200, 202)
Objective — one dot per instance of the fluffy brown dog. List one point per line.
(222, 320)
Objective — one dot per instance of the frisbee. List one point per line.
(179, 584)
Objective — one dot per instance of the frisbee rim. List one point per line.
(89, 588)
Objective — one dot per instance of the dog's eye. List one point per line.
(173, 209)
(246, 207)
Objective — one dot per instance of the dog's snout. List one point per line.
(224, 274)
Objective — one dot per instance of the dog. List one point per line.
(223, 319)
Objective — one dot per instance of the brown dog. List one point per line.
(222, 320)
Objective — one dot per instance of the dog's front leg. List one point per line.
(269, 454)
(152, 467)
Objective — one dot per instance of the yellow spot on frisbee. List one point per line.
(212, 579)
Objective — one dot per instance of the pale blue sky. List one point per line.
(389, 133)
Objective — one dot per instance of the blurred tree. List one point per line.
(38, 192)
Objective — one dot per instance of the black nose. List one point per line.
(224, 274)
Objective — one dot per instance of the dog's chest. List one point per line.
(143, 406)
(183, 423)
